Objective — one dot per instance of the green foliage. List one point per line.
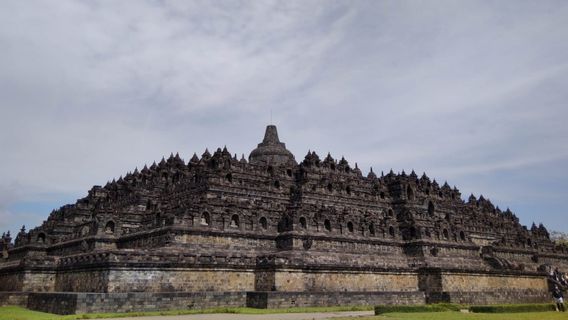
(440, 307)
(513, 308)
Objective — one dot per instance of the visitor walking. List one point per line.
(558, 298)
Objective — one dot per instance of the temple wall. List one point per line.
(12, 281)
(265, 280)
(322, 252)
(201, 240)
(82, 281)
(276, 299)
(353, 246)
(486, 282)
(71, 303)
(39, 281)
(188, 280)
(517, 257)
(453, 252)
(225, 241)
(344, 281)
(14, 299)
(503, 296)
(69, 248)
(480, 288)
(78, 246)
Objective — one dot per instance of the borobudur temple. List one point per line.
(269, 232)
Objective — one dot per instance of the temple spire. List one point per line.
(271, 150)
(271, 135)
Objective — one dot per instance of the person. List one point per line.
(558, 298)
(563, 279)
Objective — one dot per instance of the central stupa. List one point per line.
(271, 151)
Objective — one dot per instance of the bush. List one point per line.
(510, 308)
(441, 307)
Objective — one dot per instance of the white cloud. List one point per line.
(89, 90)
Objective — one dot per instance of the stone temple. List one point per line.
(272, 232)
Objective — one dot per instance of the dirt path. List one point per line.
(274, 316)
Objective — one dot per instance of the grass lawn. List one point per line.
(466, 316)
(19, 313)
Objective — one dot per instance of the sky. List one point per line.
(473, 93)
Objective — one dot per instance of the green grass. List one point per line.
(438, 307)
(19, 313)
(444, 307)
(510, 308)
(453, 315)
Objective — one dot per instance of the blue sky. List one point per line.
(472, 92)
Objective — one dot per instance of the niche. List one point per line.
(412, 233)
(430, 208)
(109, 227)
(41, 238)
(205, 219)
(234, 221)
(263, 223)
(327, 225)
(409, 193)
(303, 223)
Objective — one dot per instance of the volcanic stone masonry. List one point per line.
(269, 232)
